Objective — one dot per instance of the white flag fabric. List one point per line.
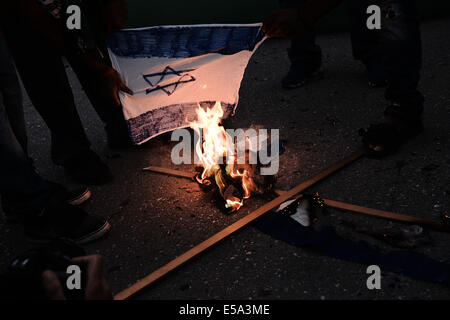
(173, 69)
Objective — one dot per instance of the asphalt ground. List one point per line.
(155, 218)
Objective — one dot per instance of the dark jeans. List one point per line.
(304, 52)
(19, 183)
(397, 45)
(44, 76)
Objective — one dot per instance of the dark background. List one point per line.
(150, 13)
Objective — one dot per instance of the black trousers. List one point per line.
(398, 46)
(304, 51)
(20, 185)
(45, 79)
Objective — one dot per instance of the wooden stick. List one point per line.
(171, 172)
(336, 204)
(381, 213)
(188, 255)
(387, 215)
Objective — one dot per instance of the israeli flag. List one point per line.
(173, 69)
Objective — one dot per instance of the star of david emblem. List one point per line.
(156, 80)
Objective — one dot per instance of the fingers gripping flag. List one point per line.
(173, 69)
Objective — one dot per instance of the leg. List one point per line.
(305, 52)
(19, 183)
(23, 191)
(112, 116)
(362, 39)
(18, 178)
(400, 41)
(364, 44)
(45, 79)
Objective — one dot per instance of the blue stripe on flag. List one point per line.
(158, 121)
(184, 41)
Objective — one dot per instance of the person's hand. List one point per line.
(96, 286)
(114, 84)
(52, 286)
(116, 15)
(283, 23)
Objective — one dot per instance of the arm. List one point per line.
(29, 14)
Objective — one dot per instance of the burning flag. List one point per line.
(219, 159)
(173, 69)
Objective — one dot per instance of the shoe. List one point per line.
(63, 221)
(87, 168)
(400, 125)
(74, 197)
(78, 196)
(297, 77)
(376, 75)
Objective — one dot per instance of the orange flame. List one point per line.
(218, 145)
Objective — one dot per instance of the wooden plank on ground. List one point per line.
(195, 251)
(171, 172)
